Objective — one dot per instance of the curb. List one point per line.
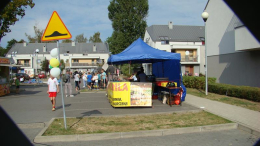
(248, 130)
(89, 137)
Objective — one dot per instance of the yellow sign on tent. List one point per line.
(56, 29)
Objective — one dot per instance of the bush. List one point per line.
(196, 82)
(244, 92)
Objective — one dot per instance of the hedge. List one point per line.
(196, 82)
(244, 92)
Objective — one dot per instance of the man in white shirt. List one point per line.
(53, 89)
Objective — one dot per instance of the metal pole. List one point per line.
(61, 89)
(206, 64)
(37, 67)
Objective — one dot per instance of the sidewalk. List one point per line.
(246, 117)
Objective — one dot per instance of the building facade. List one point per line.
(76, 56)
(186, 40)
(233, 52)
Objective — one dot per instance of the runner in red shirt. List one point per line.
(53, 89)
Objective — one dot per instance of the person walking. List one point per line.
(95, 80)
(89, 80)
(103, 77)
(84, 77)
(17, 84)
(99, 79)
(66, 80)
(53, 89)
(76, 79)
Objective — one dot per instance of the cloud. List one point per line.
(90, 16)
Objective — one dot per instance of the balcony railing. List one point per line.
(189, 59)
(24, 64)
(86, 64)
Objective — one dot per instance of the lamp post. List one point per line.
(205, 17)
(37, 51)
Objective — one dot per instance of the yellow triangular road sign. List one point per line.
(56, 29)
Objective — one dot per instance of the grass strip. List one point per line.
(226, 99)
(90, 125)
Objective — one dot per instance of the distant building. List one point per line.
(77, 56)
(233, 52)
(186, 40)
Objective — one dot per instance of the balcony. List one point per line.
(189, 58)
(86, 64)
(24, 64)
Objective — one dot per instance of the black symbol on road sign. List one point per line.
(55, 34)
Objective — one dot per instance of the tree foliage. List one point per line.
(62, 65)
(80, 38)
(45, 65)
(95, 38)
(38, 35)
(128, 22)
(11, 13)
(10, 44)
(67, 41)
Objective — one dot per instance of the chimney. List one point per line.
(24, 44)
(170, 25)
(94, 48)
(73, 43)
(44, 49)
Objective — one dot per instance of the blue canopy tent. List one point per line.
(164, 63)
(140, 52)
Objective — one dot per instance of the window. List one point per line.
(164, 40)
(76, 60)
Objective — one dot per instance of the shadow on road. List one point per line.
(60, 107)
(89, 113)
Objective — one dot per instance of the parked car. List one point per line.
(41, 75)
(23, 75)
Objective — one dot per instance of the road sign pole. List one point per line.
(62, 97)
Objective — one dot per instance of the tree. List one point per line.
(128, 22)
(45, 65)
(14, 10)
(62, 64)
(67, 41)
(80, 38)
(2, 51)
(38, 35)
(95, 38)
(10, 44)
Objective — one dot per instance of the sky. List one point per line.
(90, 16)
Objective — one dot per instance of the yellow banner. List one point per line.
(119, 94)
(126, 94)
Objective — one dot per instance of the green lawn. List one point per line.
(226, 99)
(90, 125)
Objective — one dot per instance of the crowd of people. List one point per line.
(94, 80)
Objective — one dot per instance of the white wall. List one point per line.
(244, 40)
(220, 37)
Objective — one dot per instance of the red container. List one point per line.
(155, 97)
(159, 83)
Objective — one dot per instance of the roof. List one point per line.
(178, 33)
(64, 47)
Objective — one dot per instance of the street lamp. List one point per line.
(205, 16)
(37, 51)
